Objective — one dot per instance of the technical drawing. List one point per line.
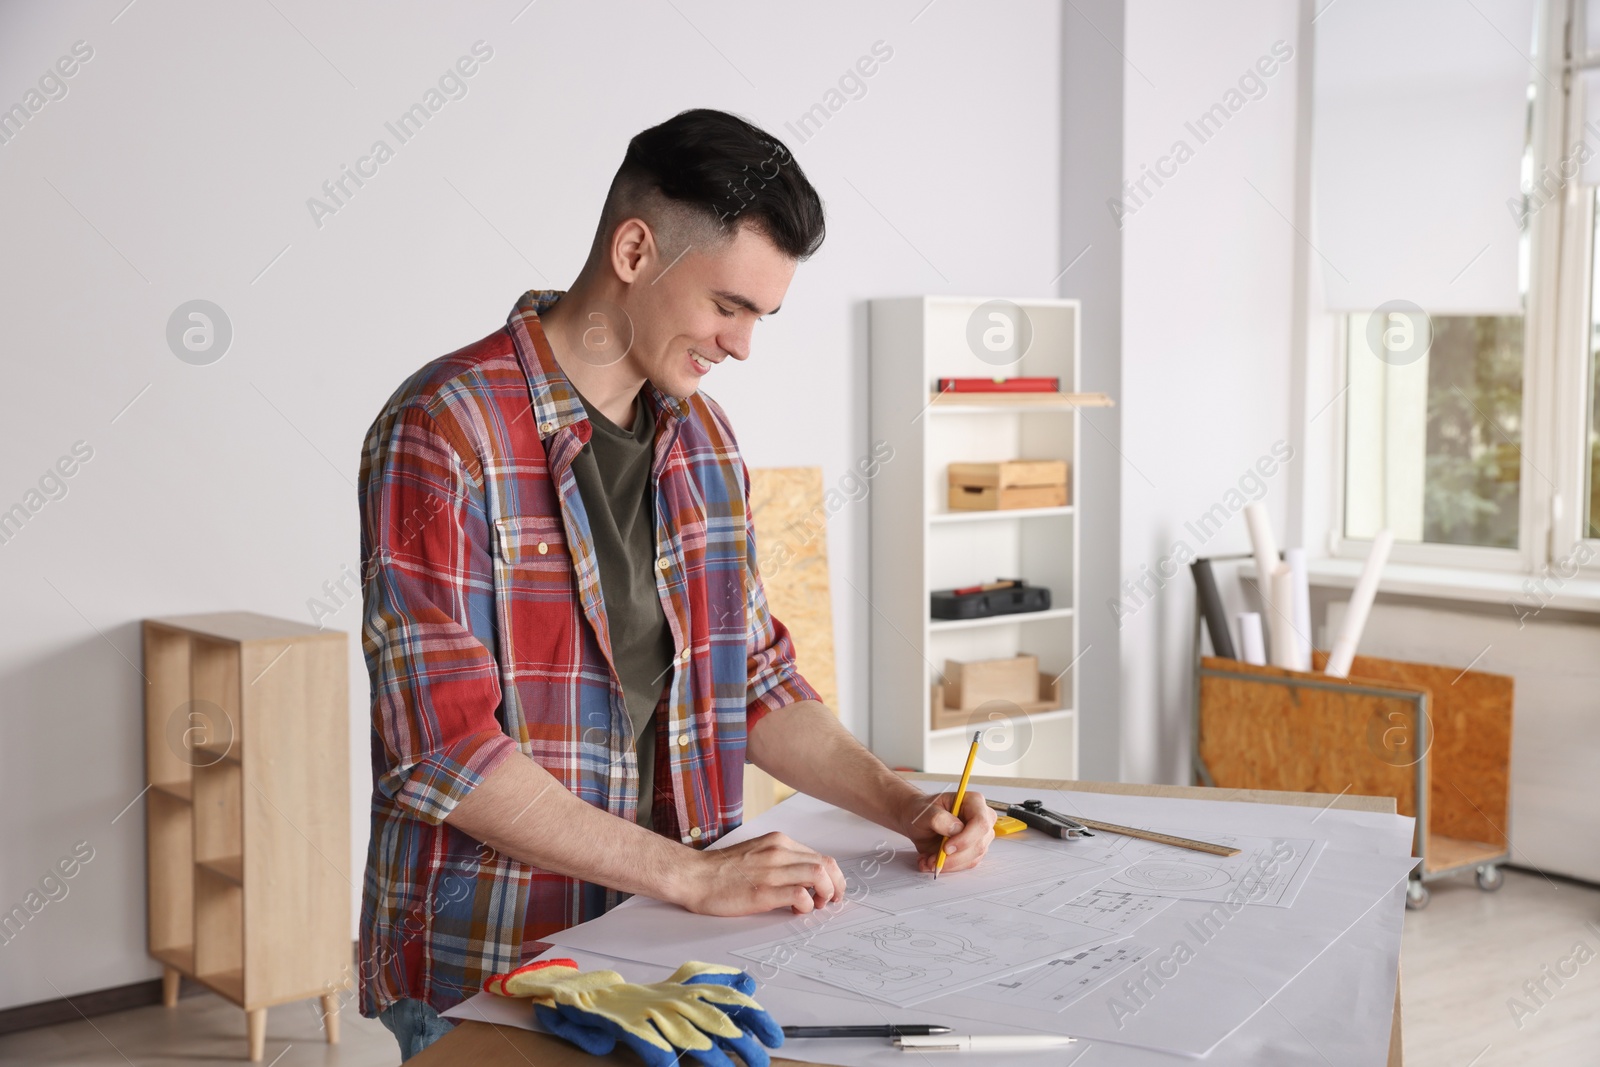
(1266, 870)
(1055, 985)
(1169, 874)
(1113, 910)
(941, 950)
(903, 940)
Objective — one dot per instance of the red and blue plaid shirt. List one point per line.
(485, 637)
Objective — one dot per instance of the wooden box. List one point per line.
(970, 688)
(1010, 484)
(969, 684)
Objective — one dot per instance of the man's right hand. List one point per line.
(766, 872)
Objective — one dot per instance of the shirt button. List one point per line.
(683, 740)
(543, 548)
(547, 427)
(663, 563)
(694, 831)
(684, 656)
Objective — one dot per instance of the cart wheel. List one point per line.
(1490, 878)
(1417, 896)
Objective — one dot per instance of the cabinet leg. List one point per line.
(256, 1024)
(170, 977)
(330, 1017)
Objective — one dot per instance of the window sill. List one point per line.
(1459, 583)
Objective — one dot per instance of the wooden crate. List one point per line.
(1437, 739)
(971, 683)
(247, 753)
(1010, 484)
(1046, 697)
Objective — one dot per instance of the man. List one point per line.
(570, 649)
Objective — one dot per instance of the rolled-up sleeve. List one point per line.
(774, 681)
(426, 577)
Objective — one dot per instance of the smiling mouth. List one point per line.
(700, 361)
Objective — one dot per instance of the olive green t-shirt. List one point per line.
(613, 475)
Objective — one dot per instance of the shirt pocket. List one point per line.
(531, 556)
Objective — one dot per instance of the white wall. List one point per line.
(178, 166)
(1207, 272)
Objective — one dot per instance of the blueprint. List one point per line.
(937, 950)
(1053, 985)
(1267, 870)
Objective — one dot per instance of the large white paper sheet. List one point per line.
(1244, 962)
(1336, 1012)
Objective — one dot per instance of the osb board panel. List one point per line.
(1255, 734)
(791, 518)
(1470, 755)
(791, 513)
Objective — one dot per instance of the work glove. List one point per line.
(703, 1011)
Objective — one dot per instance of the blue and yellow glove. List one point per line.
(703, 1011)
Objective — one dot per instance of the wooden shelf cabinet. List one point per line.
(247, 756)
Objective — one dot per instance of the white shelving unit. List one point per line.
(919, 545)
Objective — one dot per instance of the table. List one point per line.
(487, 1045)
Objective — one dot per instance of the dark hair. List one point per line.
(726, 172)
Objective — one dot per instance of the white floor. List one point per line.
(1466, 955)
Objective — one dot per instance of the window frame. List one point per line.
(1560, 249)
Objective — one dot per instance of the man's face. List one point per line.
(691, 314)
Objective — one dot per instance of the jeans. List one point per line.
(415, 1025)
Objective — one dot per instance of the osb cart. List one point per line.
(1437, 739)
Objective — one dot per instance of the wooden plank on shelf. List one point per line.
(1449, 853)
(1066, 401)
(183, 791)
(228, 867)
(178, 957)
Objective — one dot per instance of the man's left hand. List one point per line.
(928, 819)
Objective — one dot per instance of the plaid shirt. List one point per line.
(485, 636)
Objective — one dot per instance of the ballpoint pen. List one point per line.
(983, 1042)
(886, 1030)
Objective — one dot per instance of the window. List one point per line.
(1433, 435)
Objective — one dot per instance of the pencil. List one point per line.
(961, 794)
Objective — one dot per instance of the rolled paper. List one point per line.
(1210, 600)
(1285, 649)
(1296, 558)
(1355, 614)
(1265, 547)
(1251, 646)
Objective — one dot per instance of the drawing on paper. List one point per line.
(1266, 870)
(941, 950)
(1169, 874)
(1057, 984)
(903, 940)
(1113, 910)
